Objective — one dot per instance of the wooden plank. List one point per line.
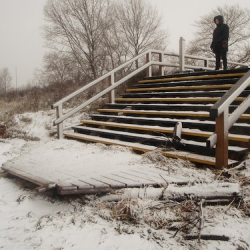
(155, 174)
(126, 181)
(28, 177)
(159, 113)
(33, 173)
(163, 175)
(206, 160)
(187, 100)
(93, 182)
(132, 181)
(135, 146)
(114, 184)
(190, 132)
(188, 78)
(130, 134)
(136, 178)
(199, 87)
(143, 178)
(157, 179)
(75, 181)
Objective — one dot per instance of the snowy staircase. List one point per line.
(145, 116)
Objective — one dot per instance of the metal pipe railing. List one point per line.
(147, 57)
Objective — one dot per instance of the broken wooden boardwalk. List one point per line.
(66, 182)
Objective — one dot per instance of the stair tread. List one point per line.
(200, 87)
(180, 94)
(164, 120)
(193, 132)
(203, 114)
(146, 148)
(169, 106)
(147, 136)
(149, 111)
(181, 78)
(180, 88)
(187, 83)
(177, 99)
(199, 73)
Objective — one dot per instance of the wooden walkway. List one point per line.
(66, 182)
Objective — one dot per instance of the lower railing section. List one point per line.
(220, 112)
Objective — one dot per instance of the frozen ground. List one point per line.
(31, 220)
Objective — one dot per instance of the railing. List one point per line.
(148, 59)
(220, 111)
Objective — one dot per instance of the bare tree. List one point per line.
(102, 34)
(58, 67)
(238, 20)
(139, 26)
(5, 80)
(79, 26)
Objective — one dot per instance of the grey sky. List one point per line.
(21, 21)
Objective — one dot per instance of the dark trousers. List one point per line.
(218, 55)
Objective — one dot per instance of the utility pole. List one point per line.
(16, 79)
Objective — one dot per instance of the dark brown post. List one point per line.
(161, 73)
(205, 64)
(222, 140)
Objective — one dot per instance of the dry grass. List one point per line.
(157, 214)
(33, 99)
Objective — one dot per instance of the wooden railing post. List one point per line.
(60, 125)
(149, 69)
(111, 80)
(222, 140)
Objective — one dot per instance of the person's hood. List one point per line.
(220, 18)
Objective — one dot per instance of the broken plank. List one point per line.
(208, 237)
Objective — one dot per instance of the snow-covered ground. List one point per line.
(31, 220)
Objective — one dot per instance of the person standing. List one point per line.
(219, 43)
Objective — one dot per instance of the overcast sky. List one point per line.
(21, 21)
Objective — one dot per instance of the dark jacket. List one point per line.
(220, 36)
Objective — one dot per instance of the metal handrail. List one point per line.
(60, 117)
(224, 121)
(111, 76)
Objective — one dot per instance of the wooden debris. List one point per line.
(207, 237)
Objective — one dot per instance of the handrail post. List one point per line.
(182, 53)
(60, 125)
(112, 92)
(161, 68)
(149, 69)
(222, 140)
(205, 63)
